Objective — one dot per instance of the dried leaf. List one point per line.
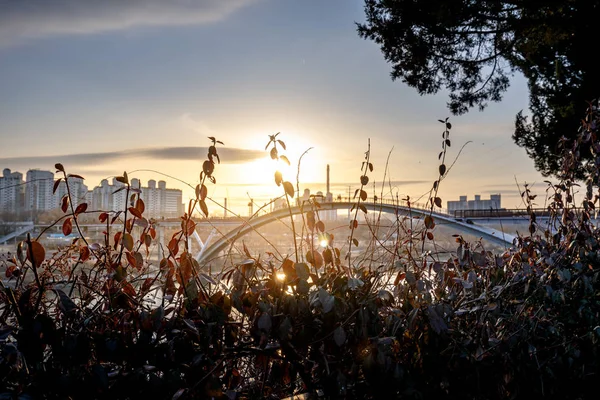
(289, 189)
(128, 241)
(278, 178)
(67, 226)
(39, 253)
(56, 183)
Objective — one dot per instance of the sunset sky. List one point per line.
(110, 86)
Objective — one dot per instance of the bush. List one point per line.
(98, 321)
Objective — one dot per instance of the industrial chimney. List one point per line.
(327, 192)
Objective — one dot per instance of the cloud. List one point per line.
(200, 127)
(26, 19)
(227, 155)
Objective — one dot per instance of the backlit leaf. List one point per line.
(320, 226)
(289, 189)
(273, 153)
(203, 207)
(39, 253)
(285, 159)
(278, 178)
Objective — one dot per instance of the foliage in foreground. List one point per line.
(523, 323)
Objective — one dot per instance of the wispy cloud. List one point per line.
(227, 154)
(26, 19)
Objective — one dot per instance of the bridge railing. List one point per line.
(503, 213)
(400, 203)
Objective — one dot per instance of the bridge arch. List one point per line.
(212, 250)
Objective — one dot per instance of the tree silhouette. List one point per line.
(471, 48)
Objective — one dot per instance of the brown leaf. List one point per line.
(67, 226)
(117, 238)
(363, 195)
(135, 212)
(438, 202)
(140, 206)
(285, 159)
(131, 259)
(128, 241)
(84, 253)
(56, 183)
(429, 222)
(320, 226)
(190, 227)
(39, 253)
(103, 217)
(273, 153)
(203, 207)
(64, 203)
(208, 167)
(59, 167)
(173, 246)
(81, 208)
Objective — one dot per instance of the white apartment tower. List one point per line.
(11, 191)
(38, 191)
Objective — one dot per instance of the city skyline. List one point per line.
(43, 191)
(119, 87)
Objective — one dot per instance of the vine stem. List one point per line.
(349, 271)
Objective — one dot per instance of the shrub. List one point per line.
(521, 323)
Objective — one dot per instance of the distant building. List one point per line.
(12, 191)
(38, 191)
(494, 202)
(107, 197)
(160, 201)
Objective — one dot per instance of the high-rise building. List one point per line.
(108, 197)
(160, 201)
(38, 191)
(12, 191)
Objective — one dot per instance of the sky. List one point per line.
(139, 85)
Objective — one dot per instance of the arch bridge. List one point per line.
(210, 251)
